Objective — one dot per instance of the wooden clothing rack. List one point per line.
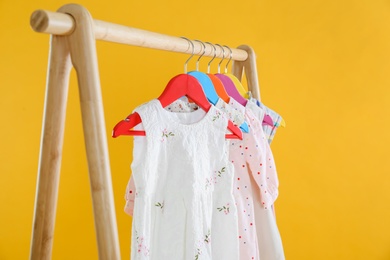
(73, 42)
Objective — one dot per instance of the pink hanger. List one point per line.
(231, 89)
(229, 85)
(267, 120)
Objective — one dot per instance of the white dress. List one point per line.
(178, 168)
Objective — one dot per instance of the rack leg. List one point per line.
(51, 149)
(82, 45)
(250, 70)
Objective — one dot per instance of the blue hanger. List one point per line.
(205, 81)
(244, 127)
(207, 86)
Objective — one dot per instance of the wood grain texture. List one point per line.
(62, 24)
(250, 67)
(51, 149)
(82, 46)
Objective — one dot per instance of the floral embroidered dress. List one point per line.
(177, 167)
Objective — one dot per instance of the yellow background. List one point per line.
(323, 65)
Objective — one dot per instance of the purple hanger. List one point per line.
(267, 120)
(233, 92)
(231, 89)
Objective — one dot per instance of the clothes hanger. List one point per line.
(229, 85)
(218, 85)
(267, 120)
(238, 84)
(244, 126)
(279, 117)
(282, 122)
(205, 82)
(178, 86)
(243, 92)
(236, 81)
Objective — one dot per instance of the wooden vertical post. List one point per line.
(51, 149)
(250, 70)
(82, 46)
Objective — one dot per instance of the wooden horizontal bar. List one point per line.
(63, 24)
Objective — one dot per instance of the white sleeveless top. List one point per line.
(184, 206)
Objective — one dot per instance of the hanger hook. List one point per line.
(215, 54)
(204, 51)
(192, 53)
(223, 57)
(230, 58)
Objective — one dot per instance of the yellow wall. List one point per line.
(324, 65)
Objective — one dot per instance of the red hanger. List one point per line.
(180, 85)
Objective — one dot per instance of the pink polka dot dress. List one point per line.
(255, 190)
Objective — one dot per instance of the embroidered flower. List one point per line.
(217, 174)
(221, 171)
(214, 179)
(160, 205)
(225, 209)
(209, 182)
(217, 115)
(198, 253)
(207, 237)
(165, 135)
(201, 244)
(141, 247)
